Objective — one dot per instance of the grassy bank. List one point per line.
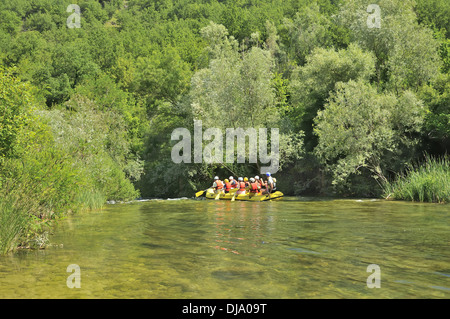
(35, 196)
(429, 182)
(25, 223)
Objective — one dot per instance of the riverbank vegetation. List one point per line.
(426, 182)
(86, 114)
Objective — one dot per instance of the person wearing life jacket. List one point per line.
(270, 184)
(241, 186)
(254, 187)
(261, 183)
(247, 183)
(258, 180)
(217, 185)
(227, 186)
(233, 182)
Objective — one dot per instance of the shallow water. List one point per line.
(220, 249)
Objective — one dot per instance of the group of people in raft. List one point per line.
(254, 185)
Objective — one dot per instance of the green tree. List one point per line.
(242, 90)
(406, 53)
(16, 99)
(306, 32)
(360, 128)
(108, 97)
(161, 76)
(434, 13)
(237, 89)
(97, 143)
(437, 125)
(40, 22)
(311, 84)
(11, 22)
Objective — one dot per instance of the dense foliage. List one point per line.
(86, 113)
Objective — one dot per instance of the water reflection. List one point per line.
(223, 249)
(240, 228)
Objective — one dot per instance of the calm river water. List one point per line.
(294, 248)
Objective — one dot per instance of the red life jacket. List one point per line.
(219, 184)
(242, 186)
(227, 186)
(253, 188)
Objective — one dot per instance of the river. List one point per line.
(288, 249)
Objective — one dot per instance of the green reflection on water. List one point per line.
(222, 249)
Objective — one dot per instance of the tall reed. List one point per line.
(13, 223)
(87, 199)
(428, 182)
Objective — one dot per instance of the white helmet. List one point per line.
(240, 179)
(252, 179)
(230, 178)
(217, 177)
(256, 177)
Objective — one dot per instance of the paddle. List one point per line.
(268, 190)
(234, 196)
(217, 196)
(200, 193)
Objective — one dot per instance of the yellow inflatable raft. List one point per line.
(258, 197)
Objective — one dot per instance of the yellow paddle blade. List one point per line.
(200, 193)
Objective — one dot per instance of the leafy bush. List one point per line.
(55, 161)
